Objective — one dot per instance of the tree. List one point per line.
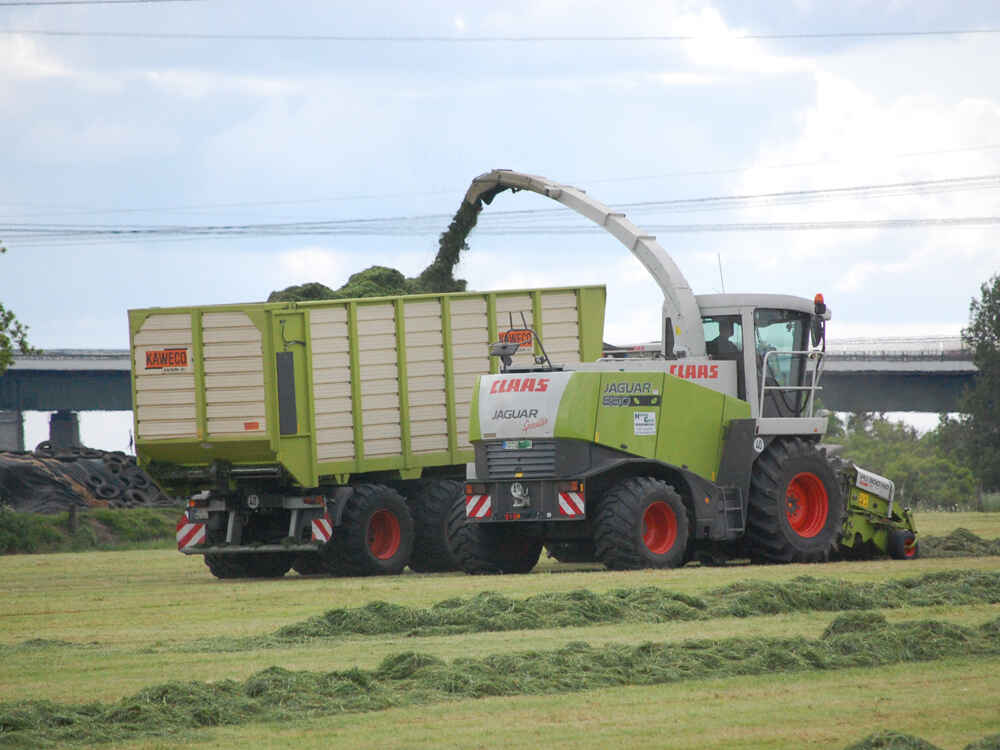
(981, 403)
(13, 335)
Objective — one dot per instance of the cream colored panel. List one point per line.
(170, 382)
(162, 338)
(379, 342)
(376, 357)
(427, 338)
(236, 349)
(387, 401)
(377, 372)
(166, 321)
(251, 425)
(382, 311)
(426, 354)
(558, 299)
(426, 398)
(166, 429)
(318, 316)
(461, 322)
(332, 390)
(427, 382)
(226, 320)
(462, 425)
(163, 398)
(229, 411)
(380, 431)
(234, 380)
(167, 413)
(477, 366)
(334, 451)
(331, 345)
(464, 395)
(424, 309)
(515, 303)
(559, 315)
(431, 427)
(378, 388)
(429, 411)
(233, 364)
(228, 335)
(555, 330)
(423, 325)
(472, 336)
(382, 416)
(342, 419)
(377, 448)
(429, 444)
(420, 370)
(468, 306)
(235, 395)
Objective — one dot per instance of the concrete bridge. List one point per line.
(888, 374)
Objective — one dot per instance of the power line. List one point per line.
(503, 39)
(37, 3)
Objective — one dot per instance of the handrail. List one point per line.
(813, 386)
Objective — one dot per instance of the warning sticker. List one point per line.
(645, 422)
(167, 360)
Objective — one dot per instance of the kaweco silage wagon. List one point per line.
(328, 436)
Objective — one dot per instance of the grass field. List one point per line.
(102, 626)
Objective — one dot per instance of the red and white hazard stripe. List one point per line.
(322, 529)
(189, 534)
(478, 506)
(571, 504)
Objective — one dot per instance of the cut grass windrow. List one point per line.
(856, 639)
(959, 543)
(899, 741)
(490, 611)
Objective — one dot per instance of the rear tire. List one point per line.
(796, 509)
(491, 547)
(375, 536)
(310, 564)
(574, 551)
(431, 507)
(641, 522)
(903, 545)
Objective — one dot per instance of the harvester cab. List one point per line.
(708, 451)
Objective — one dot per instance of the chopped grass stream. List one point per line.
(853, 639)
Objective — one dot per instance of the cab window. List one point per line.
(780, 331)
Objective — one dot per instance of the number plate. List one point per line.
(513, 445)
(863, 500)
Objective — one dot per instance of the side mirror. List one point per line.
(817, 331)
(505, 350)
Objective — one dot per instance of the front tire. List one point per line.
(903, 545)
(641, 522)
(375, 536)
(796, 509)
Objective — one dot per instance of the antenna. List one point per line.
(721, 279)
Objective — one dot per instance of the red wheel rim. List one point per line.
(910, 546)
(806, 504)
(659, 527)
(383, 534)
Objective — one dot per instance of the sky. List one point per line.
(113, 127)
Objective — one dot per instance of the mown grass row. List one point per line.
(856, 639)
(490, 611)
(890, 740)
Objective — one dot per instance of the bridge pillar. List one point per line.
(11, 431)
(64, 429)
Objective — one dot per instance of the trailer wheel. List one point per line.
(903, 545)
(796, 509)
(227, 566)
(573, 551)
(375, 536)
(431, 507)
(491, 547)
(641, 522)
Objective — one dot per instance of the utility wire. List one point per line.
(39, 3)
(505, 39)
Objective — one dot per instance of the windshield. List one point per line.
(782, 331)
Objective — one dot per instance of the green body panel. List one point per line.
(286, 327)
(649, 414)
(868, 521)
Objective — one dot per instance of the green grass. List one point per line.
(103, 626)
(986, 525)
(97, 528)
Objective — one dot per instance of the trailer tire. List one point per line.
(484, 548)
(227, 566)
(375, 536)
(249, 564)
(903, 545)
(573, 551)
(796, 508)
(431, 507)
(641, 522)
